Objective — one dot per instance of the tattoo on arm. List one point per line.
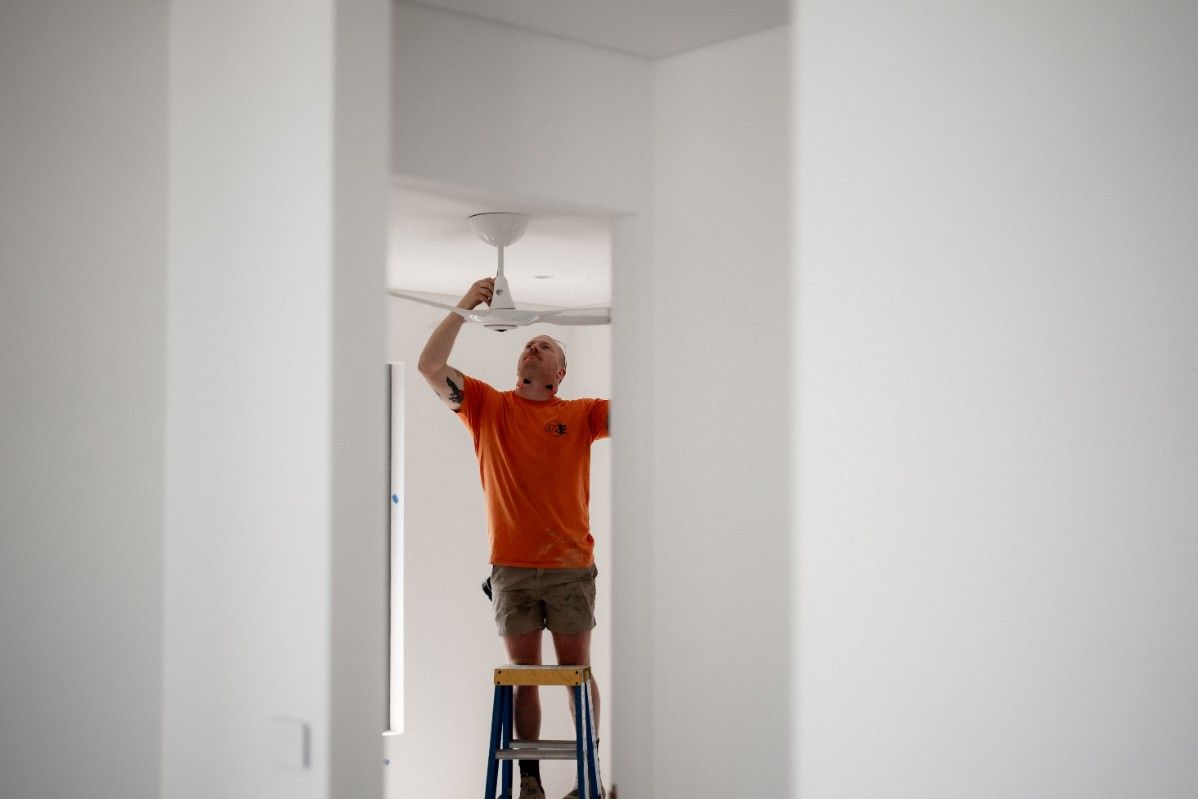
(455, 393)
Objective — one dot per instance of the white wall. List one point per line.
(275, 540)
(721, 444)
(360, 506)
(997, 358)
(83, 182)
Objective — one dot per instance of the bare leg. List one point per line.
(525, 650)
(575, 650)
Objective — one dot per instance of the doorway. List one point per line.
(446, 628)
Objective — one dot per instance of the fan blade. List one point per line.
(572, 308)
(502, 316)
(578, 320)
(405, 296)
(572, 316)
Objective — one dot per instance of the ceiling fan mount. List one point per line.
(500, 229)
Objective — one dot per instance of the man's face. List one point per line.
(541, 360)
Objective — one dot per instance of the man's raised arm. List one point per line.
(446, 381)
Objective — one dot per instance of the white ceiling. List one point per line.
(649, 28)
(562, 260)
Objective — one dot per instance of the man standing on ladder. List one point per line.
(534, 459)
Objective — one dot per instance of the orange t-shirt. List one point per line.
(534, 459)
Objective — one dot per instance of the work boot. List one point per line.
(574, 793)
(530, 787)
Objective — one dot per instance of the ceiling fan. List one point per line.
(501, 229)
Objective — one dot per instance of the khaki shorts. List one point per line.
(560, 600)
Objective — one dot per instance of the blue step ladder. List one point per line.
(504, 749)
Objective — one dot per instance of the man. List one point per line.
(534, 459)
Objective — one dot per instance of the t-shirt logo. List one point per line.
(555, 428)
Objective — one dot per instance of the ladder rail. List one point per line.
(505, 748)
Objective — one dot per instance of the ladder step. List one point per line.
(543, 675)
(538, 750)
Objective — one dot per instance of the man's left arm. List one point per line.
(600, 420)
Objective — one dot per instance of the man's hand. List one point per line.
(479, 293)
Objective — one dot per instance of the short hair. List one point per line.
(562, 348)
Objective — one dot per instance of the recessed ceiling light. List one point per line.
(542, 277)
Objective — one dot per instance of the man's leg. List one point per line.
(574, 649)
(520, 618)
(525, 650)
(570, 617)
